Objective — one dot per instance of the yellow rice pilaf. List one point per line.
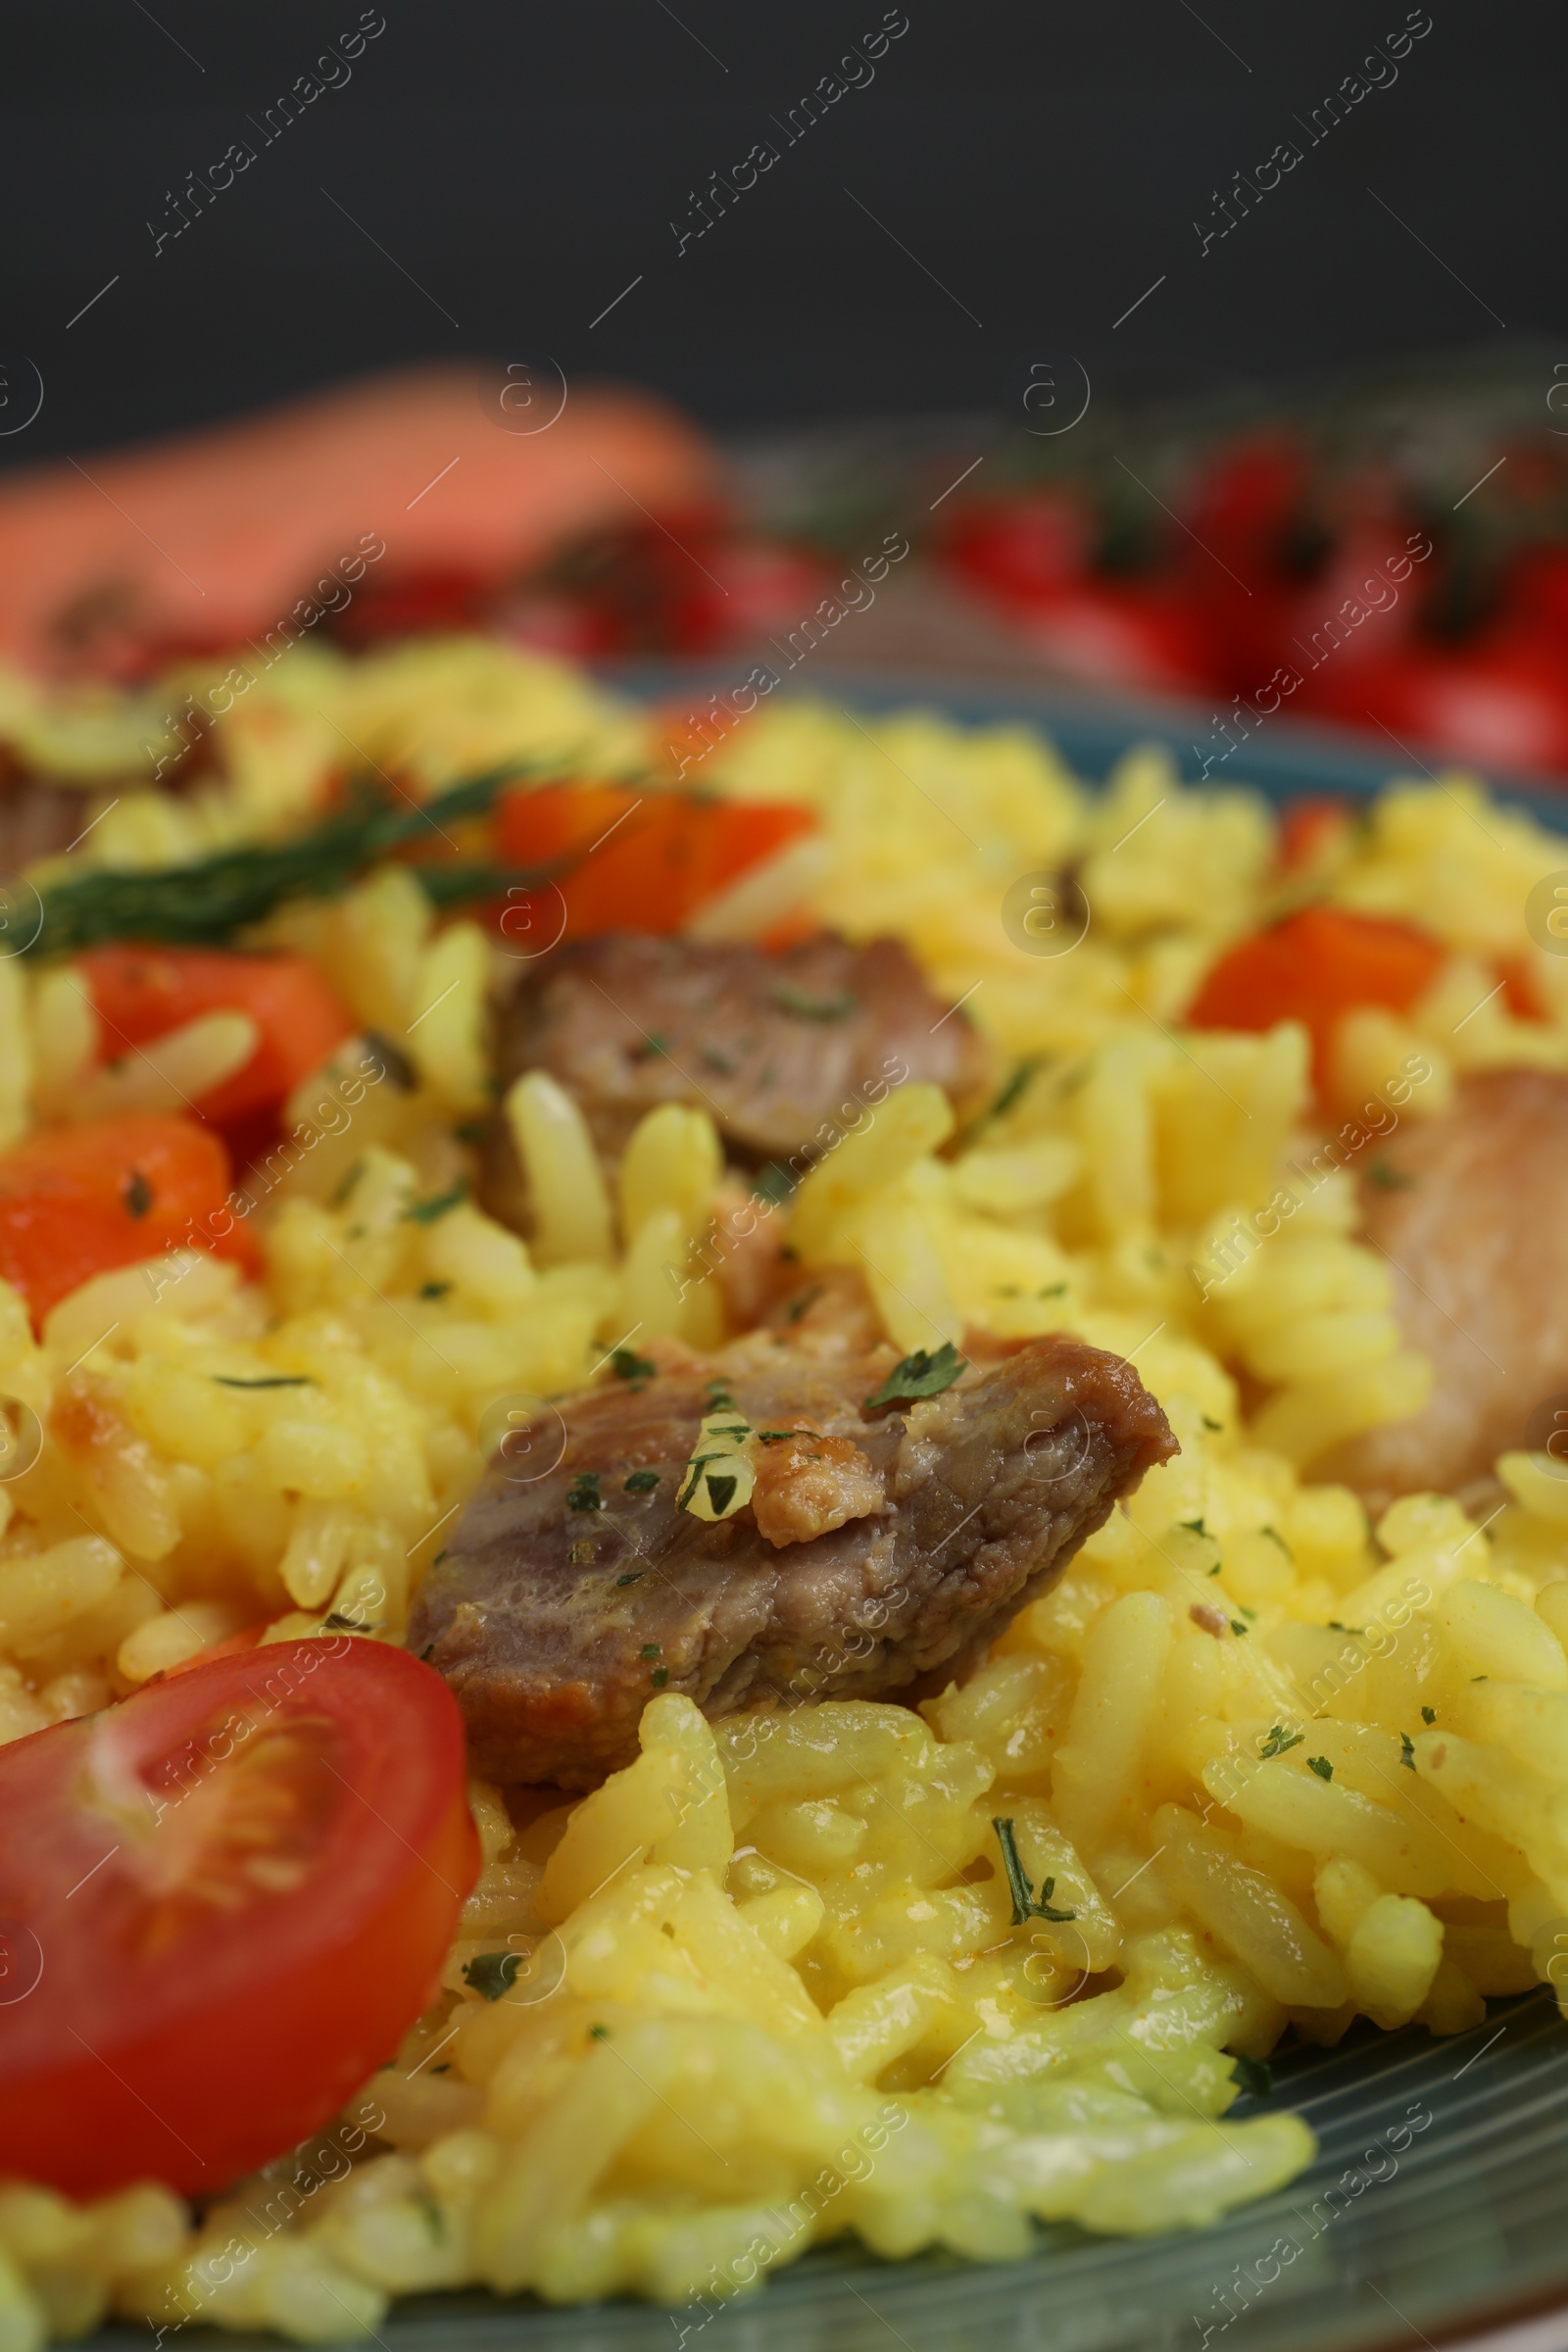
(816, 1970)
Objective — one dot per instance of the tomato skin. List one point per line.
(68, 1198)
(1314, 967)
(174, 2037)
(141, 992)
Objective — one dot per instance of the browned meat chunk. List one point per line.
(776, 1047)
(1467, 1209)
(567, 1601)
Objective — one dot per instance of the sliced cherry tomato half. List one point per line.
(142, 993)
(222, 1903)
(80, 1201)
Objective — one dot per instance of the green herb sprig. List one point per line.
(1024, 1905)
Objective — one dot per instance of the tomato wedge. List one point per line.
(142, 993)
(223, 1902)
(80, 1201)
(1315, 968)
(660, 855)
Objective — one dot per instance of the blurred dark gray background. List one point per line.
(1018, 175)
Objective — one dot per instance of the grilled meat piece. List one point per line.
(775, 1045)
(1466, 1208)
(565, 1601)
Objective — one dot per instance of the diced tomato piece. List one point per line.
(1314, 967)
(232, 1893)
(141, 992)
(662, 855)
(76, 1201)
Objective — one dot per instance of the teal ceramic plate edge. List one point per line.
(1438, 2206)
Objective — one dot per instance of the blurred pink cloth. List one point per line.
(208, 539)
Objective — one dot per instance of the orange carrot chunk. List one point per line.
(141, 992)
(646, 862)
(76, 1201)
(1314, 967)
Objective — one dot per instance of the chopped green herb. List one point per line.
(439, 1557)
(583, 1493)
(425, 1213)
(1335, 1626)
(635, 1578)
(718, 1399)
(629, 1366)
(1279, 1742)
(1209, 1424)
(1274, 1534)
(471, 1131)
(807, 1007)
(720, 1493)
(650, 1649)
(1024, 1905)
(491, 1974)
(1321, 1766)
(434, 1289)
(137, 1194)
(272, 1380)
(1429, 1714)
(204, 903)
(660, 1677)
(1052, 1290)
(599, 2033)
(772, 1183)
(334, 1622)
(1389, 1178)
(1193, 1526)
(776, 1437)
(653, 1048)
(641, 1482)
(713, 1059)
(1408, 1750)
(918, 1375)
(426, 1651)
(797, 1306)
(1018, 1078)
(694, 1469)
(1237, 1626)
(1249, 1614)
(435, 2221)
(346, 1183)
(1254, 2075)
(1479, 1678)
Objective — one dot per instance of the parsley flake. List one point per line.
(137, 1194)
(1279, 1742)
(434, 1289)
(641, 1482)
(1408, 1750)
(807, 1007)
(1209, 1424)
(635, 1578)
(1429, 1714)
(918, 1375)
(798, 1305)
(599, 2033)
(491, 1974)
(772, 1183)
(1321, 1766)
(629, 1366)
(1017, 1080)
(650, 1649)
(272, 1380)
(1254, 2075)
(720, 1493)
(653, 1048)
(425, 1213)
(583, 1493)
(660, 1677)
(1237, 1626)
(1389, 1178)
